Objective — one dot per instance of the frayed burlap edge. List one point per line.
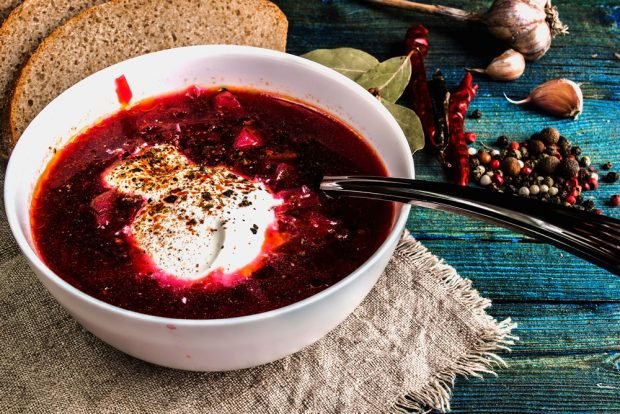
(480, 360)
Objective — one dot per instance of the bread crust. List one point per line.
(95, 23)
(21, 33)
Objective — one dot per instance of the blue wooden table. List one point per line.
(568, 311)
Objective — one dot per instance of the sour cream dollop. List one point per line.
(196, 219)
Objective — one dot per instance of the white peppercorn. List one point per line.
(524, 191)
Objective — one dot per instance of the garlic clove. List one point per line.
(508, 66)
(559, 97)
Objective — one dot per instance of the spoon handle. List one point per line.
(593, 237)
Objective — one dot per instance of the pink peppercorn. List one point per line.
(593, 183)
(571, 200)
(495, 164)
(498, 179)
(526, 170)
(597, 211)
(470, 137)
(614, 200)
(514, 145)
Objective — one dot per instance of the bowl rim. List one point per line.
(248, 51)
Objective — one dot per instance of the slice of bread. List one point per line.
(22, 32)
(121, 29)
(6, 6)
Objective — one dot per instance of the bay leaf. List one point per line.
(389, 78)
(352, 63)
(409, 122)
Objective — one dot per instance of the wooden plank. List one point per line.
(526, 271)
(562, 328)
(554, 384)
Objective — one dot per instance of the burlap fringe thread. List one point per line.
(437, 393)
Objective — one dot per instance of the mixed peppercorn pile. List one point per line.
(546, 167)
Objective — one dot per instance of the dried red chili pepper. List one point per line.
(416, 43)
(456, 152)
(445, 137)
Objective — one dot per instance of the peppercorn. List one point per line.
(556, 200)
(548, 165)
(514, 145)
(544, 188)
(485, 180)
(576, 150)
(568, 168)
(571, 200)
(524, 152)
(476, 114)
(510, 166)
(502, 141)
(593, 183)
(478, 172)
(526, 170)
(585, 162)
(536, 147)
(614, 200)
(524, 191)
(495, 164)
(607, 166)
(611, 177)
(549, 135)
(534, 189)
(470, 137)
(549, 181)
(473, 163)
(471, 151)
(579, 199)
(588, 204)
(564, 146)
(484, 157)
(597, 211)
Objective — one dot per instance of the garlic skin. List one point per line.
(526, 25)
(560, 97)
(508, 66)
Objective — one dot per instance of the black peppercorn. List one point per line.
(476, 114)
(607, 166)
(473, 162)
(502, 141)
(576, 150)
(588, 204)
(611, 177)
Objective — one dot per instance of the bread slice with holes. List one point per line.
(22, 32)
(121, 29)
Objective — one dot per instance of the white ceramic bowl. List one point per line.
(219, 344)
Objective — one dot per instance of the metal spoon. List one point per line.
(592, 237)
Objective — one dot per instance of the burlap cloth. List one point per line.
(401, 349)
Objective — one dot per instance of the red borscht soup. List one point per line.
(204, 204)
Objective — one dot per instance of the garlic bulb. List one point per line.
(527, 25)
(559, 97)
(506, 67)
